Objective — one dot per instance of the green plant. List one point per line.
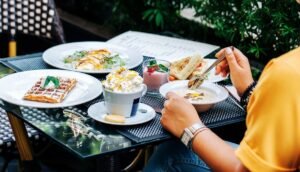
(263, 28)
(145, 15)
(158, 11)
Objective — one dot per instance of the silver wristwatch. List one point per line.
(189, 133)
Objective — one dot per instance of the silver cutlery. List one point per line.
(197, 80)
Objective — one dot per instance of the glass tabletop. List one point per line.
(87, 138)
(80, 135)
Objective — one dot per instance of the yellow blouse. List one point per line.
(272, 138)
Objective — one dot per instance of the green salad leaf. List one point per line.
(111, 61)
(75, 56)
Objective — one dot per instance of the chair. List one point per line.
(31, 17)
(37, 18)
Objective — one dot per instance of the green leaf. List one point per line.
(285, 30)
(163, 68)
(256, 50)
(159, 20)
(147, 13)
(150, 18)
(152, 63)
(122, 62)
(112, 61)
(53, 79)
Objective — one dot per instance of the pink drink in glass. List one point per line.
(155, 74)
(154, 79)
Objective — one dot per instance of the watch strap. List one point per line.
(189, 133)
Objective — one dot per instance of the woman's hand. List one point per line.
(237, 65)
(177, 114)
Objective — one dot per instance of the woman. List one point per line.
(272, 139)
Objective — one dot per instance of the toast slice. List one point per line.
(183, 68)
(115, 118)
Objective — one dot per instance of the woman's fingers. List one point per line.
(221, 67)
(230, 57)
(220, 53)
(218, 70)
(225, 72)
(170, 95)
(167, 104)
(163, 111)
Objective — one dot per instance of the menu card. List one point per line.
(161, 47)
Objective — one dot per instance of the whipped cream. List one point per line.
(123, 80)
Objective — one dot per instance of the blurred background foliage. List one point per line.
(262, 29)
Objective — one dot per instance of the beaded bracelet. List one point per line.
(246, 95)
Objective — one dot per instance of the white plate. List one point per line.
(54, 56)
(98, 112)
(217, 92)
(211, 75)
(13, 87)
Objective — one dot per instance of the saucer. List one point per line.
(144, 114)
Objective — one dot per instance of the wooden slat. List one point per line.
(21, 136)
(12, 48)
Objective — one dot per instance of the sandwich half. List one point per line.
(183, 68)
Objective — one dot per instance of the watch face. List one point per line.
(186, 137)
(188, 134)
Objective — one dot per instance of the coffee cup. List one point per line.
(123, 103)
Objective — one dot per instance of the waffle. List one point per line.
(50, 95)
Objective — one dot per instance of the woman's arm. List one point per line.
(179, 114)
(216, 153)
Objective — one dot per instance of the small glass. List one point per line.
(155, 74)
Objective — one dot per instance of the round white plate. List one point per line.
(217, 92)
(13, 87)
(211, 74)
(54, 56)
(98, 112)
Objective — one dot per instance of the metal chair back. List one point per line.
(33, 17)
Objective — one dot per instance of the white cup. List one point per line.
(125, 104)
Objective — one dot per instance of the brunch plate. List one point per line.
(56, 56)
(203, 97)
(144, 114)
(13, 87)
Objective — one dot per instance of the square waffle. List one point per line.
(50, 95)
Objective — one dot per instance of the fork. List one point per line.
(196, 81)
